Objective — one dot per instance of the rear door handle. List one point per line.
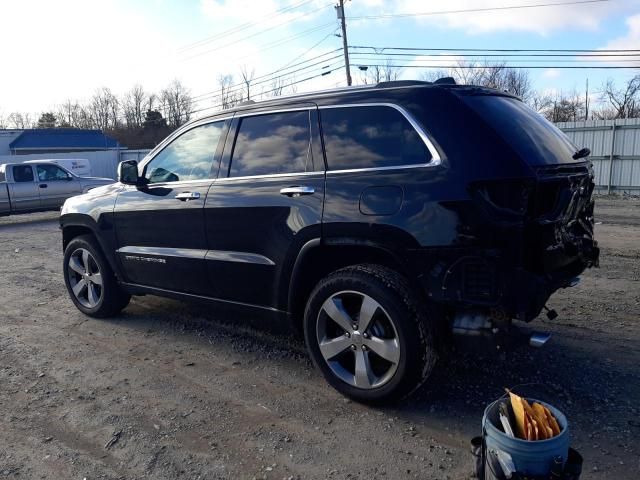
(186, 196)
(297, 191)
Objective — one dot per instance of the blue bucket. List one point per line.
(529, 457)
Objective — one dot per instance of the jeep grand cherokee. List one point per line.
(371, 219)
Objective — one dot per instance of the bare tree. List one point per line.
(104, 109)
(565, 107)
(277, 87)
(433, 74)
(18, 120)
(176, 103)
(227, 97)
(134, 106)
(492, 75)
(247, 78)
(66, 113)
(386, 72)
(621, 102)
(517, 82)
(541, 102)
(282, 86)
(3, 121)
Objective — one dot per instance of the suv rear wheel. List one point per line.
(369, 334)
(90, 281)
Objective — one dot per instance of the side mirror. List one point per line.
(128, 172)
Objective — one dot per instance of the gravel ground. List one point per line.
(170, 390)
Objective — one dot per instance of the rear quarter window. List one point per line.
(536, 140)
(370, 137)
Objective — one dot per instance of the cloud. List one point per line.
(631, 40)
(551, 73)
(239, 12)
(541, 20)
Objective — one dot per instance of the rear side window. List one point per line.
(188, 157)
(23, 173)
(272, 144)
(536, 140)
(370, 137)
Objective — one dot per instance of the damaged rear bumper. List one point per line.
(542, 230)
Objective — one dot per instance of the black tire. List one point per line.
(111, 298)
(407, 313)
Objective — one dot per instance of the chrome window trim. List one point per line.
(173, 185)
(436, 159)
(271, 175)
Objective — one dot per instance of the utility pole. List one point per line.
(343, 21)
(586, 102)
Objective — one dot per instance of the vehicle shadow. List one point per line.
(578, 379)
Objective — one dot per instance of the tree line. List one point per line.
(612, 100)
(141, 119)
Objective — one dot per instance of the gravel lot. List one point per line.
(171, 390)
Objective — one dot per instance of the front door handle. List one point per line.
(43, 185)
(297, 191)
(186, 196)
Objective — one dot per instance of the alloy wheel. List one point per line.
(358, 339)
(85, 278)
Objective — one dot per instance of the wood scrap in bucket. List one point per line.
(533, 422)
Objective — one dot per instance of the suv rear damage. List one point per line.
(371, 219)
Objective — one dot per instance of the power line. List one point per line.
(243, 26)
(239, 87)
(474, 10)
(549, 55)
(284, 41)
(503, 64)
(269, 91)
(381, 49)
(306, 51)
(283, 70)
(261, 32)
(602, 67)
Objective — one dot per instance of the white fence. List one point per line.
(615, 151)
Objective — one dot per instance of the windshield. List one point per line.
(536, 140)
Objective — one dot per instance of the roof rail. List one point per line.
(401, 83)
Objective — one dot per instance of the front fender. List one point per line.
(93, 212)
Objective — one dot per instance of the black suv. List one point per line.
(374, 219)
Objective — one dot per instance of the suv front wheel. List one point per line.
(90, 281)
(369, 334)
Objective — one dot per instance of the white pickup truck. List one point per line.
(40, 186)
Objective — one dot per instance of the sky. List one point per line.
(58, 50)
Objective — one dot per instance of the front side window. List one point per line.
(272, 144)
(188, 157)
(370, 137)
(51, 173)
(22, 173)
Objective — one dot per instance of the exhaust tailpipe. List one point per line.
(538, 339)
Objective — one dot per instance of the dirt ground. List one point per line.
(170, 390)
